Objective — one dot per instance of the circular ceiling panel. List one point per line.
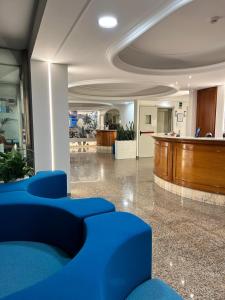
(86, 106)
(120, 90)
(191, 37)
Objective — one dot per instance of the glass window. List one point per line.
(14, 127)
(10, 107)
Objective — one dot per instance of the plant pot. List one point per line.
(125, 149)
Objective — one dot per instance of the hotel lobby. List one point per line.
(112, 150)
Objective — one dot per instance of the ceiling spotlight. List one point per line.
(107, 22)
(189, 76)
(176, 82)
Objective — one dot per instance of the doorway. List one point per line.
(152, 120)
(164, 120)
(147, 126)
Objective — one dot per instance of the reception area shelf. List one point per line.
(197, 164)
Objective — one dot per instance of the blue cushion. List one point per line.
(49, 184)
(114, 254)
(26, 263)
(154, 289)
(59, 223)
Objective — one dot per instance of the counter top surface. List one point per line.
(107, 130)
(161, 135)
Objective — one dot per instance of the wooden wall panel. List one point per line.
(193, 163)
(163, 160)
(199, 167)
(206, 110)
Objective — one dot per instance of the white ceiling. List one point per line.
(88, 106)
(69, 34)
(185, 39)
(120, 90)
(15, 23)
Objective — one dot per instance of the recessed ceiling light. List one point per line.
(189, 76)
(107, 22)
(176, 82)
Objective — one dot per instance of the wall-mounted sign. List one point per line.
(180, 117)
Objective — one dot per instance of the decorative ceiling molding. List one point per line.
(113, 53)
(132, 35)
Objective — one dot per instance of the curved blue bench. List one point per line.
(154, 289)
(110, 253)
(48, 184)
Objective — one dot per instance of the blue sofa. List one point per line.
(105, 249)
(108, 253)
(154, 289)
(48, 184)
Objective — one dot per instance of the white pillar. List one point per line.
(220, 109)
(192, 113)
(50, 117)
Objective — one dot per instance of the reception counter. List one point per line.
(105, 137)
(191, 167)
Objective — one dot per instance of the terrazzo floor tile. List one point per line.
(188, 235)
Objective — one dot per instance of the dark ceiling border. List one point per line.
(38, 12)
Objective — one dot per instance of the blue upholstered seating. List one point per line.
(107, 254)
(154, 289)
(49, 184)
(105, 249)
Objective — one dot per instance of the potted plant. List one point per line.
(125, 144)
(14, 166)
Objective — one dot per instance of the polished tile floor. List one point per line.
(188, 236)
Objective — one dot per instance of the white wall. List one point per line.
(172, 102)
(220, 111)
(50, 116)
(192, 112)
(180, 127)
(126, 113)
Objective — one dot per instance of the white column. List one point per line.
(50, 117)
(192, 112)
(220, 109)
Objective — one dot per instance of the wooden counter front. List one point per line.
(193, 163)
(105, 137)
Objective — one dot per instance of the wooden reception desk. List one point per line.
(105, 137)
(194, 163)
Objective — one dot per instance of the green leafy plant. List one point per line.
(13, 166)
(127, 134)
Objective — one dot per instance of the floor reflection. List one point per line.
(189, 236)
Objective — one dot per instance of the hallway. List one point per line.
(188, 236)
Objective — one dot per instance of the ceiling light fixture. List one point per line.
(189, 76)
(107, 22)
